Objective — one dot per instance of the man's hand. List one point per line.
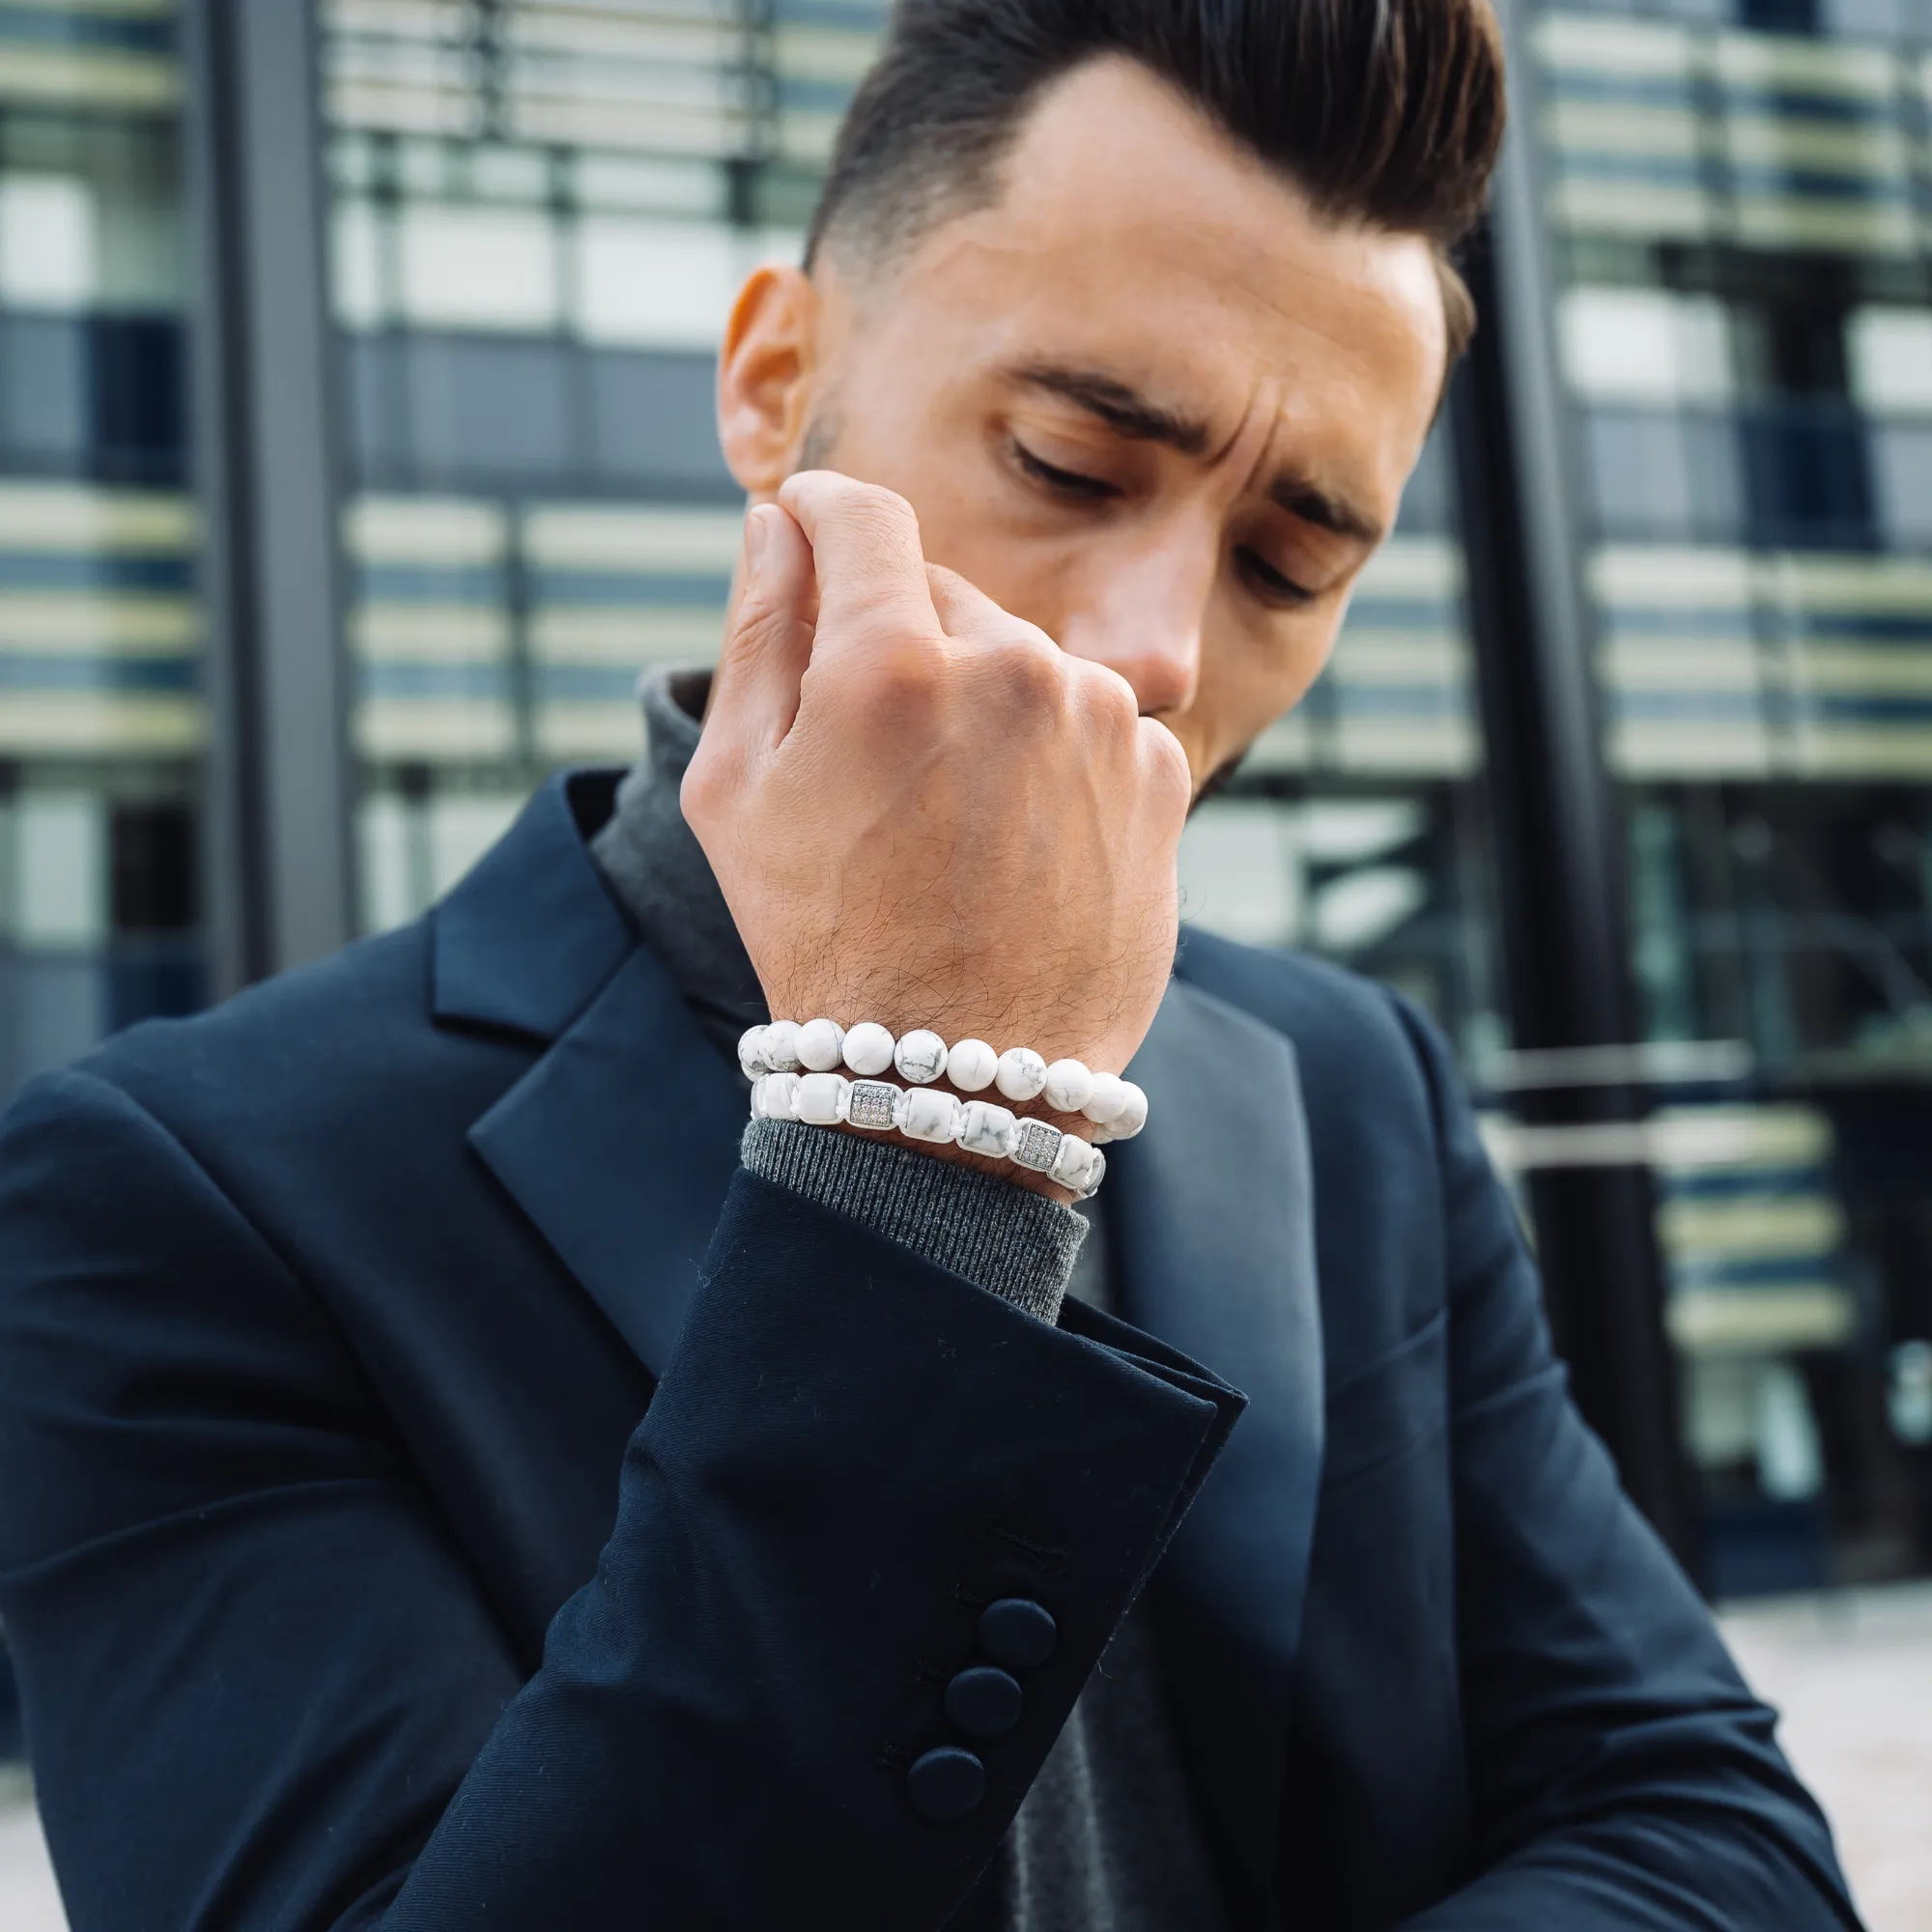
(921, 811)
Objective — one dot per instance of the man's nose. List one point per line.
(1145, 621)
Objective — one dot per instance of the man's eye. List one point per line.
(1264, 577)
(1063, 482)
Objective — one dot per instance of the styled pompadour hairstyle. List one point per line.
(1387, 112)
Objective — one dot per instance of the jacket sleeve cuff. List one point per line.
(1013, 1244)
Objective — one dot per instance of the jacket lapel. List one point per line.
(1213, 1211)
(619, 1144)
(621, 1141)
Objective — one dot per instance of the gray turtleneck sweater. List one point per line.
(1106, 1841)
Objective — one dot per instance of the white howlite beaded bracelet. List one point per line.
(1115, 1106)
(824, 1100)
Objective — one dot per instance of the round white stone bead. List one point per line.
(1096, 1171)
(1132, 1118)
(1067, 1086)
(987, 1129)
(868, 1048)
(1107, 1102)
(1072, 1162)
(752, 1052)
(931, 1115)
(822, 1098)
(1021, 1074)
(969, 1064)
(775, 1097)
(1101, 1136)
(780, 1051)
(921, 1056)
(821, 1044)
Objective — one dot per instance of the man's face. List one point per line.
(1147, 402)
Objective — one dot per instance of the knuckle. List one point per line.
(902, 681)
(760, 618)
(1108, 698)
(1164, 765)
(879, 512)
(1034, 668)
(705, 785)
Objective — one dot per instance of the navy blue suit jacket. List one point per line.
(440, 1488)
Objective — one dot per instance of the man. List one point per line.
(445, 1482)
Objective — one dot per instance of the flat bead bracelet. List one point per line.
(1115, 1106)
(824, 1100)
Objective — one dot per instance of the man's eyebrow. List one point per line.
(1130, 413)
(1118, 404)
(1313, 504)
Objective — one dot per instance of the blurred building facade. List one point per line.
(536, 214)
(101, 728)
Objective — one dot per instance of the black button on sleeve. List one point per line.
(946, 1783)
(1018, 1632)
(984, 1702)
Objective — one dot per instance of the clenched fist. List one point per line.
(921, 811)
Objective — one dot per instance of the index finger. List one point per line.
(866, 551)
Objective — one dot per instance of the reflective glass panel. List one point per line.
(1738, 205)
(100, 713)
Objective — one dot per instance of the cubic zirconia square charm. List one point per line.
(1034, 1145)
(871, 1104)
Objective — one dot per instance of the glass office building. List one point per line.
(540, 215)
(1737, 209)
(101, 728)
(535, 215)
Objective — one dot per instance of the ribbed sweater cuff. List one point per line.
(1013, 1244)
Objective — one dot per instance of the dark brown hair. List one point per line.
(1388, 113)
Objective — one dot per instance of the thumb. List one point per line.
(755, 689)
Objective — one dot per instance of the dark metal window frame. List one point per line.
(266, 418)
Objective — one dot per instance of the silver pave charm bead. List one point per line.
(870, 1104)
(1036, 1145)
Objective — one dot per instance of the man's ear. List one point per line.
(765, 375)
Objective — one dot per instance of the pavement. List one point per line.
(28, 1900)
(1852, 1673)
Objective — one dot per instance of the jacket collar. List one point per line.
(621, 1141)
(527, 936)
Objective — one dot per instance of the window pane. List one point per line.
(1746, 335)
(101, 721)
